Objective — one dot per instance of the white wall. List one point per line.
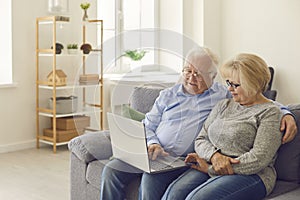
(171, 19)
(17, 105)
(271, 29)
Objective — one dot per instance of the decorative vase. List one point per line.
(72, 51)
(85, 16)
(136, 66)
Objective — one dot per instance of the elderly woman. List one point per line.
(242, 132)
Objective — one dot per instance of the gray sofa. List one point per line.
(90, 152)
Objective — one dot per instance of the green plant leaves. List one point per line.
(135, 54)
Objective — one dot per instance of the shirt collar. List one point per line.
(180, 90)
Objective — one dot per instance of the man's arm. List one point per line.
(287, 124)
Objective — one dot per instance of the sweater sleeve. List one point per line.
(266, 144)
(203, 146)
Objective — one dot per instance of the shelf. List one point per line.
(47, 57)
(93, 21)
(69, 86)
(49, 53)
(52, 19)
(87, 110)
(52, 143)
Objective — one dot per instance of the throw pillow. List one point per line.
(127, 111)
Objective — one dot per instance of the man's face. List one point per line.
(194, 80)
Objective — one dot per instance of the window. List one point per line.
(121, 16)
(6, 43)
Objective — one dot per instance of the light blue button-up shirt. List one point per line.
(177, 117)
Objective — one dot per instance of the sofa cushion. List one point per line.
(291, 195)
(142, 98)
(94, 172)
(282, 187)
(127, 111)
(288, 161)
(94, 175)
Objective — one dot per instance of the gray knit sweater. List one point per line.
(248, 133)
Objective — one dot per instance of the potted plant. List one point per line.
(86, 48)
(84, 7)
(135, 57)
(72, 48)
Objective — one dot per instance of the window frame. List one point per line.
(119, 28)
(6, 66)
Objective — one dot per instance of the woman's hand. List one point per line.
(155, 150)
(196, 162)
(223, 164)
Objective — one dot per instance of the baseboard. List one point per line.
(17, 146)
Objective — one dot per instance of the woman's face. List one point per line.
(194, 81)
(238, 93)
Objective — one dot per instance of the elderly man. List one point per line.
(172, 125)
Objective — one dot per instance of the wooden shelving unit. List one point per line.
(86, 108)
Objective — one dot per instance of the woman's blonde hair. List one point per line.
(251, 70)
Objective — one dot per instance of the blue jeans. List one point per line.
(117, 175)
(153, 186)
(195, 185)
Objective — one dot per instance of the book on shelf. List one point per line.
(62, 18)
(89, 79)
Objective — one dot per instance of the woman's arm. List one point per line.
(266, 144)
(203, 147)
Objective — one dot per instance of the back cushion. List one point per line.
(288, 162)
(142, 98)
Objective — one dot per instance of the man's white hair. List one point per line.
(204, 60)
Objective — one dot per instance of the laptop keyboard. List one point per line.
(156, 165)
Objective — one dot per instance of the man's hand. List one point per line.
(196, 162)
(288, 125)
(222, 164)
(155, 150)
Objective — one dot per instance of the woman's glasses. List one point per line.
(234, 85)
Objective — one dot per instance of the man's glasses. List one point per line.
(188, 73)
(234, 85)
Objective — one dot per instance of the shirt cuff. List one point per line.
(152, 141)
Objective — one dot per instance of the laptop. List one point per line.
(128, 139)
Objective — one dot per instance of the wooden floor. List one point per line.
(35, 174)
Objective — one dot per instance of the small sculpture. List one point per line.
(86, 48)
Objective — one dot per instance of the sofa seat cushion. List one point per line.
(292, 195)
(93, 172)
(288, 161)
(283, 187)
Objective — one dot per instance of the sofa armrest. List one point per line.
(91, 146)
